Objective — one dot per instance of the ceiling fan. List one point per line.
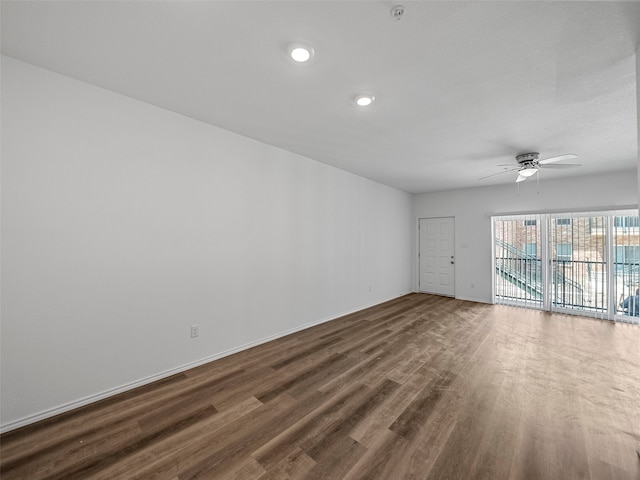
(529, 164)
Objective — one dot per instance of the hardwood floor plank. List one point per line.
(336, 460)
(83, 469)
(420, 387)
(260, 379)
(379, 460)
(239, 441)
(167, 457)
(71, 452)
(86, 420)
(361, 371)
(367, 432)
(305, 353)
(296, 465)
(301, 380)
(249, 469)
(290, 439)
(414, 416)
(351, 416)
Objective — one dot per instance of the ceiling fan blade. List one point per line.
(521, 178)
(561, 165)
(559, 158)
(499, 173)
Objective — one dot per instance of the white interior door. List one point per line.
(437, 262)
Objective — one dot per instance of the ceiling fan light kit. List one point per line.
(528, 171)
(529, 164)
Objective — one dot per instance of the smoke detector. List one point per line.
(397, 12)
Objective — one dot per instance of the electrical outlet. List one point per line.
(195, 331)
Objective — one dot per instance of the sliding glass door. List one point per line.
(583, 263)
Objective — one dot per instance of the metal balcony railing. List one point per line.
(524, 271)
(521, 270)
(579, 284)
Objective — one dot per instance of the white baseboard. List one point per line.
(159, 376)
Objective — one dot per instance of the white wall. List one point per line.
(472, 209)
(124, 224)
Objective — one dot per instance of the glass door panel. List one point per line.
(625, 268)
(518, 262)
(578, 276)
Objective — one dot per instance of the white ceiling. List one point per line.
(460, 86)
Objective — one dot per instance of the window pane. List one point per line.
(531, 249)
(564, 251)
(626, 221)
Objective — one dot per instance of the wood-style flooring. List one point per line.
(421, 387)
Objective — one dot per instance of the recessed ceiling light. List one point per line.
(364, 100)
(300, 53)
